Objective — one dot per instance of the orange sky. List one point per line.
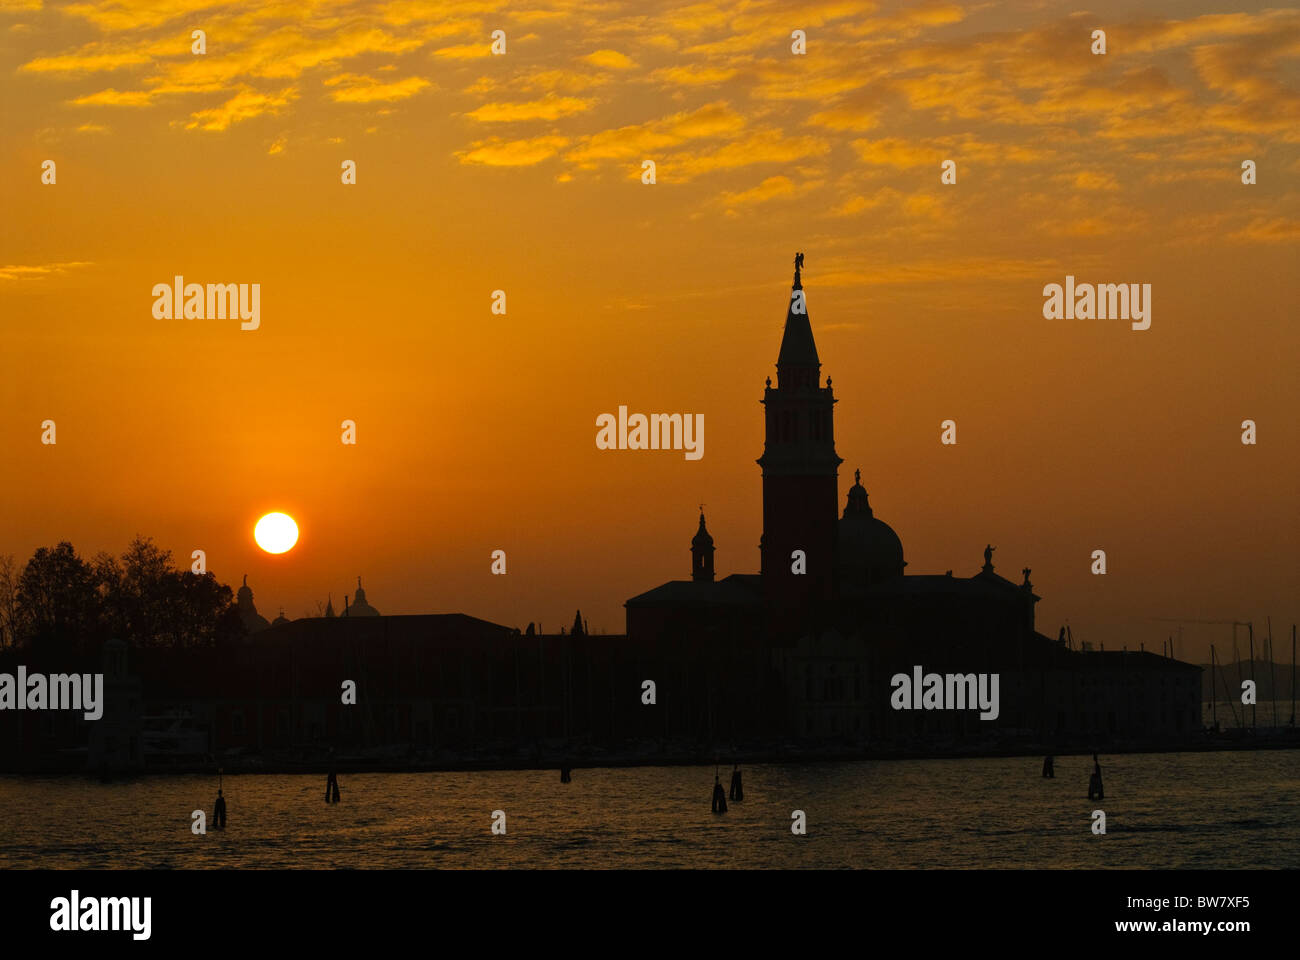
(522, 172)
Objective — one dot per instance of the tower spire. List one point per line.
(702, 552)
(800, 489)
(797, 364)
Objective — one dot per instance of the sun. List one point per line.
(276, 533)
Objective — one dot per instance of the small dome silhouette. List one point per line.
(359, 607)
(252, 620)
(869, 549)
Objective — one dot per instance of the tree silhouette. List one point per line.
(8, 601)
(61, 602)
(57, 601)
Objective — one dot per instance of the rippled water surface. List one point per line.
(1219, 810)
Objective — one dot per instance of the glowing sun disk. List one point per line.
(276, 533)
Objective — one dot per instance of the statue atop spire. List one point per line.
(797, 363)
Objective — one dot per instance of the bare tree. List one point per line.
(9, 574)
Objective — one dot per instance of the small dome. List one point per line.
(857, 501)
(359, 606)
(253, 620)
(869, 549)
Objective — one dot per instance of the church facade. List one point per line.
(810, 646)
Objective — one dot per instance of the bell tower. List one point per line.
(800, 468)
(702, 553)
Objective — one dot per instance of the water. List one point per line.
(1266, 713)
(1210, 810)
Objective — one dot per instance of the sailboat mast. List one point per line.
(1227, 692)
(1272, 679)
(1254, 707)
(1214, 692)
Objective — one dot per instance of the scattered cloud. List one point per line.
(243, 106)
(775, 187)
(1268, 230)
(465, 51)
(1092, 180)
(635, 141)
(548, 108)
(40, 271)
(357, 88)
(610, 59)
(711, 90)
(495, 152)
(115, 98)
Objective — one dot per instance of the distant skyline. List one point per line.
(476, 431)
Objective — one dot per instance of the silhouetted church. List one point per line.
(832, 615)
(253, 621)
(815, 562)
(801, 652)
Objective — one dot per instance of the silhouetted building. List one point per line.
(869, 550)
(253, 621)
(799, 467)
(833, 616)
(359, 607)
(702, 553)
(115, 742)
(804, 650)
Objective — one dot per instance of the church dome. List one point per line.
(359, 606)
(252, 620)
(869, 549)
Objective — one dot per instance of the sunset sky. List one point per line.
(522, 172)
